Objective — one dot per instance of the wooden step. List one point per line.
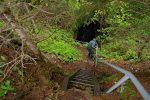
(82, 76)
(83, 80)
(81, 83)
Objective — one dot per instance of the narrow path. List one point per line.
(87, 63)
(84, 94)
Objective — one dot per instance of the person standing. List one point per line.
(91, 46)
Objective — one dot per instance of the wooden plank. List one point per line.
(96, 89)
(65, 83)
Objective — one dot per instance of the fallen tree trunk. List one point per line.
(43, 61)
(7, 18)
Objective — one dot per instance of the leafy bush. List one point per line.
(61, 49)
(60, 34)
(112, 50)
(130, 54)
(55, 33)
(146, 54)
(5, 87)
(120, 49)
(59, 43)
(118, 13)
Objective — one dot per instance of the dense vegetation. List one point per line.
(29, 28)
(61, 42)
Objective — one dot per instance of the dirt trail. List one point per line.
(75, 94)
(32, 88)
(86, 63)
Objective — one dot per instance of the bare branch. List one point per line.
(146, 3)
(22, 35)
(31, 17)
(10, 62)
(22, 54)
(41, 9)
(33, 23)
(9, 69)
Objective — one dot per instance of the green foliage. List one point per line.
(107, 77)
(127, 91)
(61, 34)
(17, 70)
(118, 14)
(115, 13)
(130, 54)
(123, 19)
(1, 23)
(81, 15)
(59, 43)
(124, 48)
(83, 12)
(111, 50)
(5, 87)
(61, 49)
(98, 16)
(37, 29)
(124, 28)
(2, 60)
(113, 77)
(142, 26)
(146, 53)
(74, 4)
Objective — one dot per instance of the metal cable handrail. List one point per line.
(127, 75)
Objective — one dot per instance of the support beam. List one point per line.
(121, 81)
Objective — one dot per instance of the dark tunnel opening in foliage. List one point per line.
(88, 32)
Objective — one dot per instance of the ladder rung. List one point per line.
(83, 77)
(85, 84)
(83, 80)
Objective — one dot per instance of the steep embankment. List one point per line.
(32, 88)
